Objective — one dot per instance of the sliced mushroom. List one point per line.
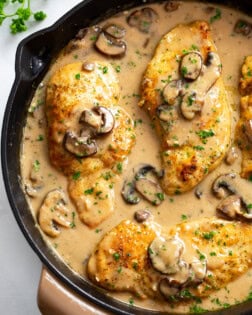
(31, 191)
(150, 190)
(235, 206)
(191, 105)
(230, 206)
(142, 215)
(165, 112)
(171, 91)
(143, 19)
(198, 271)
(165, 254)
(231, 156)
(115, 31)
(88, 66)
(243, 27)
(110, 46)
(198, 193)
(223, 184)
(139, 183)
(53, 212)
(171, 5)
(167, 290)
(144, 169)
(182, 276)
(99, 118)
(128, 192)
(207, 78)
(191, 65)
(248, 129)
(79, 146)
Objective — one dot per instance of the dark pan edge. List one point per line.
(92, 293)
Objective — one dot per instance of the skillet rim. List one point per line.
(12, 184)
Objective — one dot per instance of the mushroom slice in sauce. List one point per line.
(100, 118)
(235, 206)
(231, 156)
(182, 276)
(198, 271)
(147, 187)
(143, 19)
(165, 254)
(171, 5)
(128, 192)
(230, 206)
(198, 193)
(150, 190)
(115, 31)
(79, 146)
(88, 66)
(243, 27)
(171, 91)
(191, 65)
(190, 105)
(224, 183)
(164, 112)
(142, 215)
(53, 211)
(167, 290)
(211, 71)
(110, 46)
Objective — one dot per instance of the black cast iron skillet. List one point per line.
(33, 57)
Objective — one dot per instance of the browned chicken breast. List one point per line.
(244, 126)
(190, 260)
(89, 134)
(183, 92)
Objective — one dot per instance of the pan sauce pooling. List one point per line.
(52, 188)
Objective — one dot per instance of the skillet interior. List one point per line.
(33, 57)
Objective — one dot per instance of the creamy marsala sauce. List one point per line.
(74, 245)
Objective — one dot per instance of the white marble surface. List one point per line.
(19, 266)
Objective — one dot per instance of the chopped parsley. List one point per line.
(217, 15)
(204, 134)
(72, 224)
(76, 175)
(89, 191)
(116, 256)
(36, 165)
(119, 167)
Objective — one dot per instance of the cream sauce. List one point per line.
(74, 245)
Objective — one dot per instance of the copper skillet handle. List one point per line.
(55, 298)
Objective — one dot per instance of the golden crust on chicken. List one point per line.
(184, 95)
(244, 126)
(88, 133)
(197, 257)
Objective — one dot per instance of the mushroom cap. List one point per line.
(79, 146)
(110, 46)
(165, 254)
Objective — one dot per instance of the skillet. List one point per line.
(33, 57)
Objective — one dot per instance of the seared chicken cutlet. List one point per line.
(88, 134)
(184, 95)
(197, 257)
(244, 126)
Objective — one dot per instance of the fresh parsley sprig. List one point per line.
(22, 13)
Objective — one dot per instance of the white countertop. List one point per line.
(20, 267)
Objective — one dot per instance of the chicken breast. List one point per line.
(89, 134)
(244, 126)
(184, 95)
(189, 260)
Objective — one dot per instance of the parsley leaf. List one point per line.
(21, 14)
